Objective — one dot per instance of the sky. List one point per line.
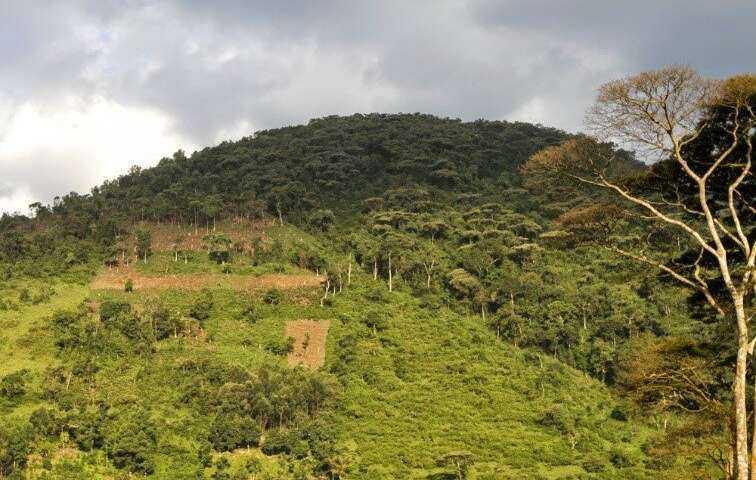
(90, 88)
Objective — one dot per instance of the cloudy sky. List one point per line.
(89, 88)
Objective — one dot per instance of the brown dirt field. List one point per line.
(315, 332)
(238, 230)
(116, 278)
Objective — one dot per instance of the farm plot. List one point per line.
(115, 279)
(309, 342)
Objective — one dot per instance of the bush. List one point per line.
(164, 323)
(24, 296)
(284, 442)
(321, 220)
(14, 449)
(594, 464)
(621, 457)
(559, 419)
(13, 385)
(250, 313)
(375, 321)
(65, 319)
(229, 432)
(273, 296)
(84, 427)
(281, 347)
(130, 441)
(128, 287)
(620, 413)
(111, 309)
(46, 422)
(202, 307)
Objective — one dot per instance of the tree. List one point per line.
(211, 207)
(143, 243)
(459, 461)
(218, 247)
(14, 449)
(663, 113)
(321, 220)
(178, 240)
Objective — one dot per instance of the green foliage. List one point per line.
(273, 296)
(46, 422)
(218, 247)
(143, 243)
(15, 447)
(110, 309)
(202, 307)
(321, 220)
(13, 385)
(130, 441)
(281, 347)
(229, 432)
(437, 205)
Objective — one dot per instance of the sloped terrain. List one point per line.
(469, 334)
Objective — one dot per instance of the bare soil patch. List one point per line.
(164, 235)
(309, 342)
(116, 278)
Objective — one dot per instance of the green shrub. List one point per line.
(13, 385)
(14, 449)
(620, 413)
(46, 422)
(375, 321)
(130, 441)
(621, 457)
(84, 427)
(65, 319)
(229, 432)
(559, 419)
(112, 308)
(202, 307)
(24, 296)
(273, 296)
(163, 322)
(594, 463)
(250, 313)
(285, 441)
(280, 347)
(128, 287)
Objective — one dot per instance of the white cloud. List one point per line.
(72, 145)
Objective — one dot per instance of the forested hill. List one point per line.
(332, 162)
(438, 261)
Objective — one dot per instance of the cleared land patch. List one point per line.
(166, 236)
(116, 278)
(309, 342)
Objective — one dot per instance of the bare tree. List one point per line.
(662, 113)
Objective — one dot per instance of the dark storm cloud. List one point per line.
(220, 69)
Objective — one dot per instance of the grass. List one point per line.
(25, 340)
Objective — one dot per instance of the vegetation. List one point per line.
(490, 312)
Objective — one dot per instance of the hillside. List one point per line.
(453, 318)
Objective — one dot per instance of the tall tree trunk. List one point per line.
(753, 433)
(739, 392)
(390, 278)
